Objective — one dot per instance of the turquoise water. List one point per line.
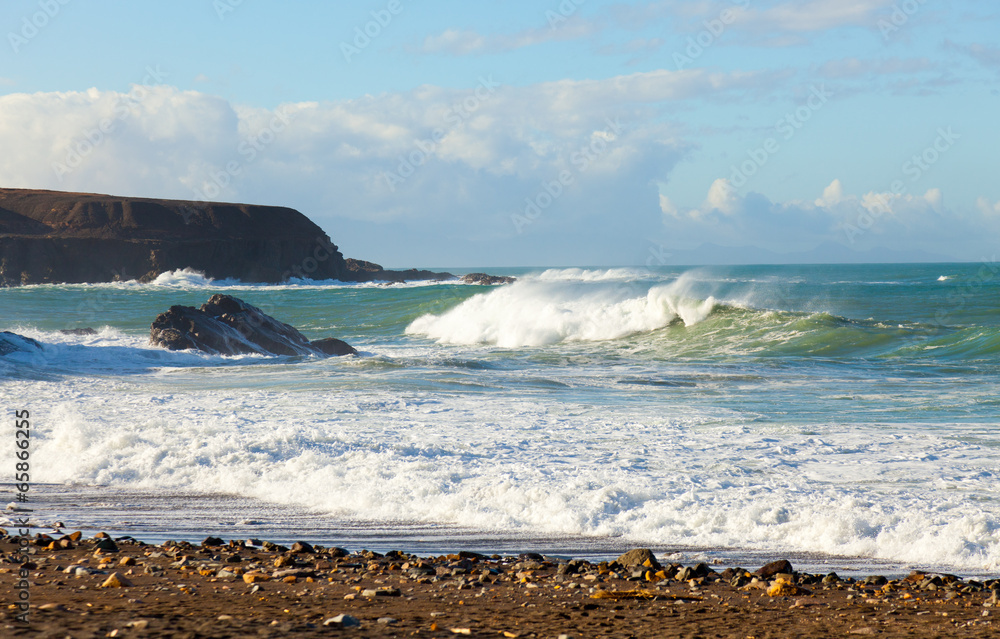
(846, 411)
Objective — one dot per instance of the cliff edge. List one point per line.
(60, 237)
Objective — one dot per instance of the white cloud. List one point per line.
(988, 208)
(818, 15)
(874, 219)
(781, 24)
(986, 55)
(464, 160)
(854, 67)
(469, 42)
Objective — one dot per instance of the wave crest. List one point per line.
(539, 312)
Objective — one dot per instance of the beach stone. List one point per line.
(639, 557)
(255, 577)
(213, 541)
(380, 592)
(774, 568)
(344, 621)
(782, 588)
(106, 545)
(421, 571)
(116, 581)
(301, 547)
(387, 621)
(294, 572)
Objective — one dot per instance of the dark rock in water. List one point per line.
(639, 557)
(78, 331)
(774, 568)
(362, 271)
(14, 343)
(333, 346)
(482, 279)
(229, 326)
(213, 541)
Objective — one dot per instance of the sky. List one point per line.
(542, 133)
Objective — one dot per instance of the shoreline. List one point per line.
(98, 587)
(156, 517)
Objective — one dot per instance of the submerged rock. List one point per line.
(229, 326)
(14, 343)
(78, 331)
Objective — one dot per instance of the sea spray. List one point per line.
(550, 310)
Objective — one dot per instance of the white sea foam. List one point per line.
(732, 446)
(190, 279)
(564, 308)
(696, 478)
(591, 275)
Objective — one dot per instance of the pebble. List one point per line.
(344, 621)
(387, 621)
(116, 581)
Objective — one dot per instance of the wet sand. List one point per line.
(101, 588)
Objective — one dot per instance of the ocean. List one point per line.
(847, 417)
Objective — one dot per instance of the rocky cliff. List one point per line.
(57, 237)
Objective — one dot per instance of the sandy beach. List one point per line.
(100, 587)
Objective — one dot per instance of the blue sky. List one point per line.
(579, 132)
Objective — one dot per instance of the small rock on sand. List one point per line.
(116, 581)
(774, 568)
(639, 557)
(344, 621)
